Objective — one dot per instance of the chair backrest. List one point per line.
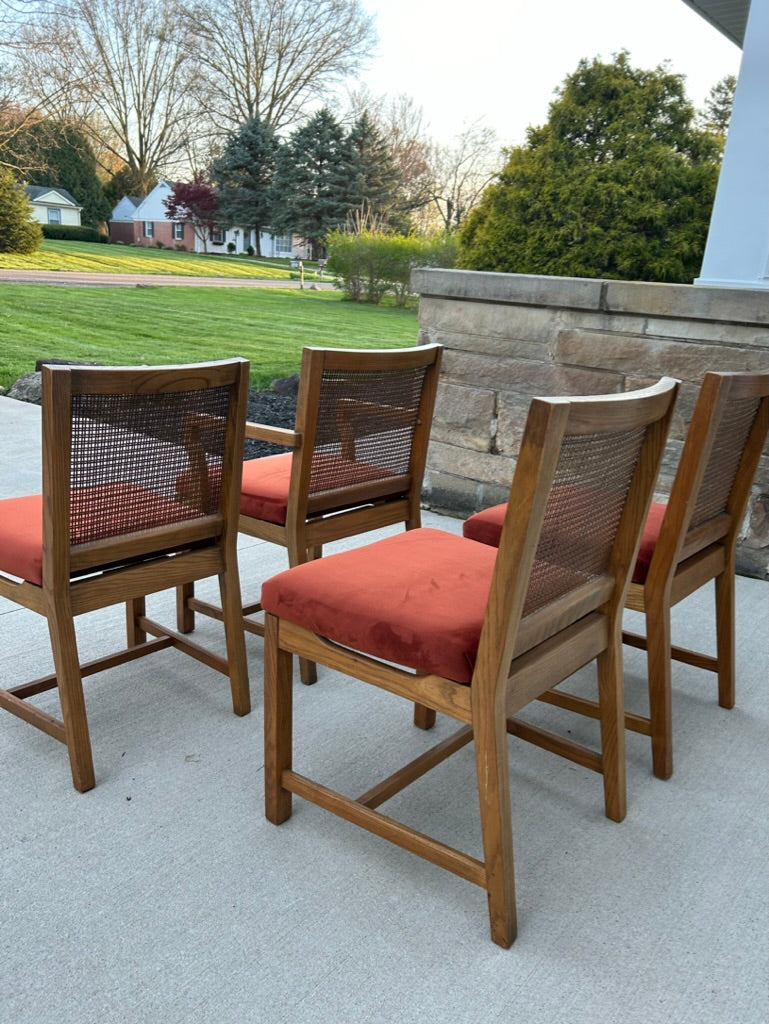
(115, 441)
(582, 486)
(714, 476)
(364, 417)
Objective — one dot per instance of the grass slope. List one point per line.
(168, 325)
(93, 257)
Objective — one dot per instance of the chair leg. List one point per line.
(725, 657)
(308, 670)
(491, 758)
(612, 711)
(61, 628)
(277, 723)
(185, 616)
(424, 717)
(135, 609)
(659, 671)
(232, 610)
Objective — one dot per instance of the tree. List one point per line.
(244, 175)
(618, 184)
(120, 70)
(19, 232)
(268, 59)
(374, 180)
(312, 180)
(718, 106)
(461, 172)
(59, 155)
(195, 201)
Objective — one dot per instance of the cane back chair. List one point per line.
(687, 541)
(108, 526)
(481, 633)
(356, 463)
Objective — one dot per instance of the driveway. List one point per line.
(72, 278)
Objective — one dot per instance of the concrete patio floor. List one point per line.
(164, 896)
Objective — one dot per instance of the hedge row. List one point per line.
(369, 265)
(73, 233)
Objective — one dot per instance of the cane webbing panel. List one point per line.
(129, 450)
(725, 455)
(367, 419)
(582, 513)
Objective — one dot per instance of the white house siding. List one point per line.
(53, 203)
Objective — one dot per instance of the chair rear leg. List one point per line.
(232, 609)
(61, 628)
(612, 712)
(424, 717)
(277, 723)
(135, 609)
(659, 672)
(308, 670)
(491, 757)
(725, 657)
(185, 616)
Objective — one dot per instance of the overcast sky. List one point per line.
(503, 59)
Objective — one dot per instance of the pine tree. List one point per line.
(244, 177)
(375, 180)
(19, 232)
(312, 180)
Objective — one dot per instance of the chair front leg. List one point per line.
(491, 758)
(659, 672)
(237, 663)
(277, 722)
(61, 627)
(725, 657)
(611, 700)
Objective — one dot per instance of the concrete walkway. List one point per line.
(164, 897)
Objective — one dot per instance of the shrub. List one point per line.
(180, 247)
(231, 247)
(73, 233)
(370, 264)
(18, 231)
(250, 250)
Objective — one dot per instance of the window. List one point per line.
(54, 215)
(149, 229)
(177, 231)
(282, 245)
(217, 236)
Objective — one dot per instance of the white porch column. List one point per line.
(737, 249)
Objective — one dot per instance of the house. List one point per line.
(53, 205)
(145, 222)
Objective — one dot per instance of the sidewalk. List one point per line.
(71, 278)
(163, 896)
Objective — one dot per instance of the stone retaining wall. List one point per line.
(509, 337)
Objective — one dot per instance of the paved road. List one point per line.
(77, 279)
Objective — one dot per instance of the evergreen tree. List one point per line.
(66, 160)
(19, 232)
(618, 184)
(375, 180)
(244, 177)
(312, 180)
(126, 182)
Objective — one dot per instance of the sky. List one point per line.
(502, 61)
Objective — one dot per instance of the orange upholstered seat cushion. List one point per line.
(486, 528)
(264, 489)
(21, 537)
(416, 598)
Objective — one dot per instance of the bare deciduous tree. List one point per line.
(461, 172)
(268, 59)
(119, 69)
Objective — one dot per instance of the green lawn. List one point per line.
(168, 325)
(93, 257)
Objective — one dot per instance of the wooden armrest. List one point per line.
(273, 435)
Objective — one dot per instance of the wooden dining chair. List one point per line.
(480, 633)
(109, 527)
(357, 459)
(687, 541)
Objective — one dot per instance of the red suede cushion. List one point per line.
(486, 527)
(264, 490)
(416, 598)
(651, 532)
(21, 537)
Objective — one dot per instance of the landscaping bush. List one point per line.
(73, 233)
(369, 264)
